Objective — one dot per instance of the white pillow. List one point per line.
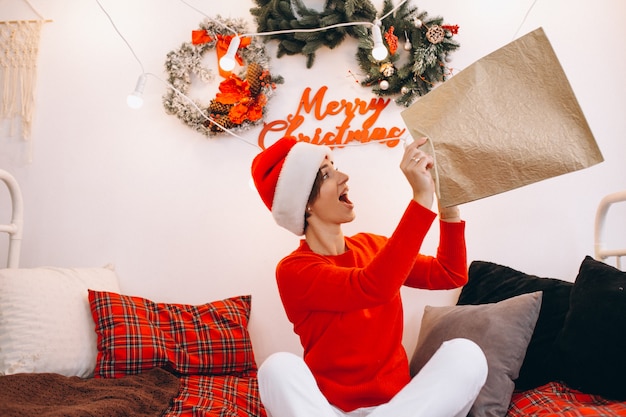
(45, 320)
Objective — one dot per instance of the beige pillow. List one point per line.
(45, 319)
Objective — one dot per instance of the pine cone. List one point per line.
(219, 108)
(253, 76)
(223, 120)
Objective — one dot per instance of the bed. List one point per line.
(554, 348)
(144, 358)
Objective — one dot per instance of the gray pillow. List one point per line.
(503, 331)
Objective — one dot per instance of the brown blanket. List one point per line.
(51, 395)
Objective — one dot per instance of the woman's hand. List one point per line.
(416, 165)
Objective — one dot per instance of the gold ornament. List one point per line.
(387, 69)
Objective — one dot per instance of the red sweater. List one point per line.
(347, 308)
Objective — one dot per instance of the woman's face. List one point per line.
(332, 204)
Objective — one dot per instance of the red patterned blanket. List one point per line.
(558, 400)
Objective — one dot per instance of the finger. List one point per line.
(416, 158)
(418, 154)
(423, 159)
(429, 161)
(421, 141)
(413, 149)
(408, 141)
(409, 153)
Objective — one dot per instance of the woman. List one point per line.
(342, 295)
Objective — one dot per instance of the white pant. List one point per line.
(447, 386)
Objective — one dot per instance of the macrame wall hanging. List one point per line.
(19, 47)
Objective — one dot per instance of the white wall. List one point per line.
(173, 210)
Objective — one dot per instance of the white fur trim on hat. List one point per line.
(295, 183)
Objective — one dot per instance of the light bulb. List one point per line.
(379, 52)
(135, 99)
(227, 62)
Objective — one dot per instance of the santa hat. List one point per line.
(284, 175)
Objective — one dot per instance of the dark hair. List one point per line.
(315, 192)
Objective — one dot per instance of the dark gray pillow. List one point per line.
(502, 330)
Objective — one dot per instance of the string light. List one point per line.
(376, 37)
(210, 18)
(227, 62)
(135, 99)
(379, 52)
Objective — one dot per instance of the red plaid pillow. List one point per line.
(135, 334)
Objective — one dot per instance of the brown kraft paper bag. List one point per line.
(508, 120)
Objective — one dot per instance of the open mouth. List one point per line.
(344, 198)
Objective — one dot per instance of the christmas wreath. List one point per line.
(293, 15)
(419, 66)
(242, 98)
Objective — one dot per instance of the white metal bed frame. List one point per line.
(14, 228)
(602, 253)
